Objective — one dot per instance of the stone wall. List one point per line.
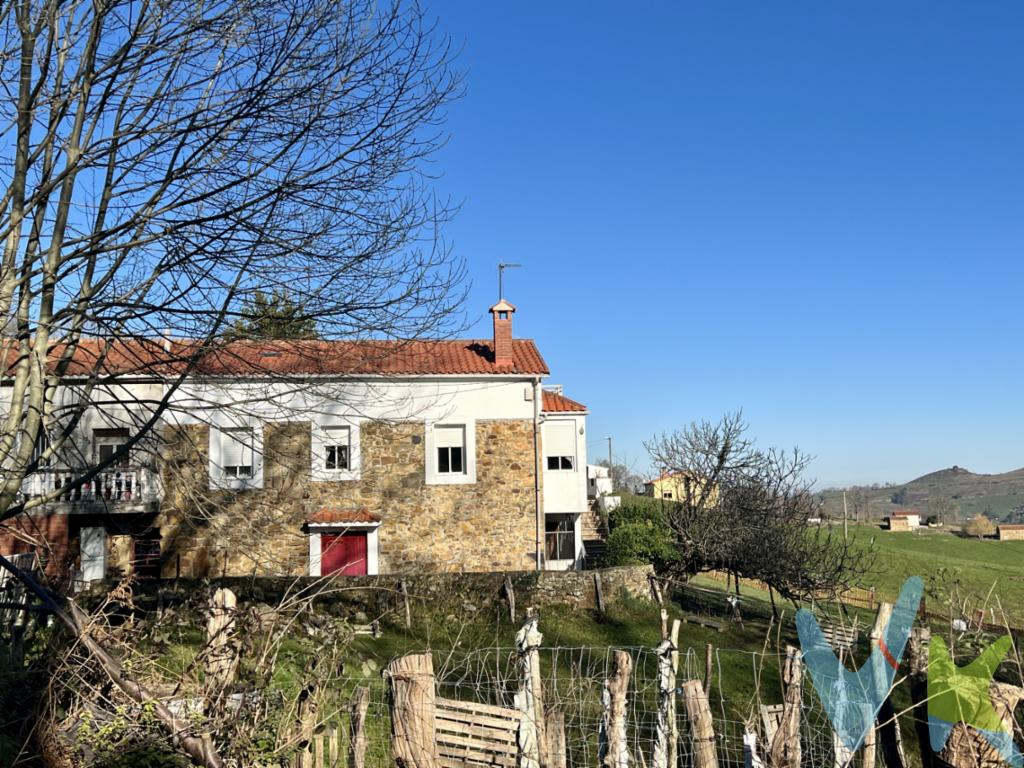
(487, 525)
(375, 595)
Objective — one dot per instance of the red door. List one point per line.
(343, 554)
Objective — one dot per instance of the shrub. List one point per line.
(638, 510)
(980, 526)
(639, 542)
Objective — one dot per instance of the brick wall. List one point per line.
(485, 526)
(49, 531)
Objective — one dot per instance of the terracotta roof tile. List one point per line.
(332, 515)
(552, 402)
(299, 358)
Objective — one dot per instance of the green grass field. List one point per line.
(983, 570)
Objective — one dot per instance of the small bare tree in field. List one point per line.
(744, 510)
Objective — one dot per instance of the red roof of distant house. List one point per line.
(331, 515)
(313, 357)
(1011, 527)
(906, 513)
(552, 402)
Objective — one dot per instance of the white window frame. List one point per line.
(468, 475)
(372, 544)
(320, 439)
(218, 480)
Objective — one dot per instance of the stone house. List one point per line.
(325, 457)
(905, 520)
(1008, 532)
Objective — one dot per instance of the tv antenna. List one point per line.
(502, 266)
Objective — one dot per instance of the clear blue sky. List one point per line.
(810, 211)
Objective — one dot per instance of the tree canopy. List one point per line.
(274, 315)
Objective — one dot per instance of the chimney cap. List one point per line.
(502, 306)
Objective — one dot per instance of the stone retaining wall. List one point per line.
(375, 595)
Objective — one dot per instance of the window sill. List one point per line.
(336, 476)
(451, 479)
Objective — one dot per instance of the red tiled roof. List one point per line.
(298, 358)
(906, 513)
(556, 403)
(331, 515)
(1011, 527)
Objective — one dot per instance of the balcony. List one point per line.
(128, 489)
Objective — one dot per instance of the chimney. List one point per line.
(502, 313)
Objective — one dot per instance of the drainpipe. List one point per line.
(538, 512)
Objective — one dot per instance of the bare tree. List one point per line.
(744, 509)
(168, 160)
(165, 161)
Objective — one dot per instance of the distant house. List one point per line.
(905, 520)
(1010, 532)
(668, 485)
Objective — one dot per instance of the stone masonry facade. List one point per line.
(488, 525)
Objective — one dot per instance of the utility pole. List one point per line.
(846, 517)
(609, 456)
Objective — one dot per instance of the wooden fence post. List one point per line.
(413, 702)
(709, 666)
(357, 727)
(613, 751)
(510, 595)
(554, 728)
(220, 631)
(702, 727)
(785, 749)
(405, 602)
(887, 727)
(666, 705)
(673, 726)
(530, 698)
(920, 638)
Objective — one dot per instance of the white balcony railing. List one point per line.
(117, 484)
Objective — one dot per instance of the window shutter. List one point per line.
(236, 448)
(336, 436)
(449, 436)
(560, 440)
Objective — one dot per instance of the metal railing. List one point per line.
(117, 484)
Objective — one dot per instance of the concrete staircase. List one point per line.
(594, 535)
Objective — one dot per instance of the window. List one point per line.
(450, 442)
(238, 453)
(334, 450)
(109, 441)
(450, 453)
(560, 446)
(337, 449)
(560, 537)
(666, 494)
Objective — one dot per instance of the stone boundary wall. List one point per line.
(375, 595)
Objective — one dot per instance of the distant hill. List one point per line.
(1001, 496)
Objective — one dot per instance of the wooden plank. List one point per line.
(492, 734)
(455, 751)
(484, 745)
(486, 721)
(474, 706)
(458, 761)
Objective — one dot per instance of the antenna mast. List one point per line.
(502, 266)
